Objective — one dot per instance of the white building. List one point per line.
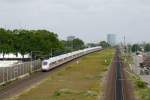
(111, 39)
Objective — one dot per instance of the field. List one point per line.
(78, 80)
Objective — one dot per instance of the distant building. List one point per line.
(70, 38)
(111, 39)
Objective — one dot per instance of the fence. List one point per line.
(8, 74)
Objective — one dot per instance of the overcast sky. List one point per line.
(90, 20)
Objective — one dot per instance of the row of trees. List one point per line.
(41, 41)
(72, 45)
(104, 44)
(139, 47)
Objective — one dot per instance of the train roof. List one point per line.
(53, 59)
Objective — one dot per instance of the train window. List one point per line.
(45, 63)
(53, 62)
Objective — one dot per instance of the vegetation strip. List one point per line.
(141, 90)
(75, 81)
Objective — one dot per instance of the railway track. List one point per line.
(118, 87)
(119, 95)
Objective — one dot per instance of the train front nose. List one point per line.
(45, 66)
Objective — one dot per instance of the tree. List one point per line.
(135, 48)
(72, 45)
(67, 46)
(147, 47)
(23, 42)
(77, 44)
(46, 41)
(6, 41)
(104, 44)
(27, 41)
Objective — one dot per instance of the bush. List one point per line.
(140, 84)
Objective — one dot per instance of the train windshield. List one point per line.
(45, 63)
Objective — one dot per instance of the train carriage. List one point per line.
(61, 59)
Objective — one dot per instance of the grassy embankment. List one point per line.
(82, 81)
(141, 91)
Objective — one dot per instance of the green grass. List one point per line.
(82, 81)
(142, 92)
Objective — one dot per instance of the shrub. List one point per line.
(140, 84)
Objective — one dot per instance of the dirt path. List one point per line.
(19, 86)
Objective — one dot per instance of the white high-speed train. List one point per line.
(61, 59)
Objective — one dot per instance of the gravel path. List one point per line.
(19, 86)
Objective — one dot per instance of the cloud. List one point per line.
(85, 18)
